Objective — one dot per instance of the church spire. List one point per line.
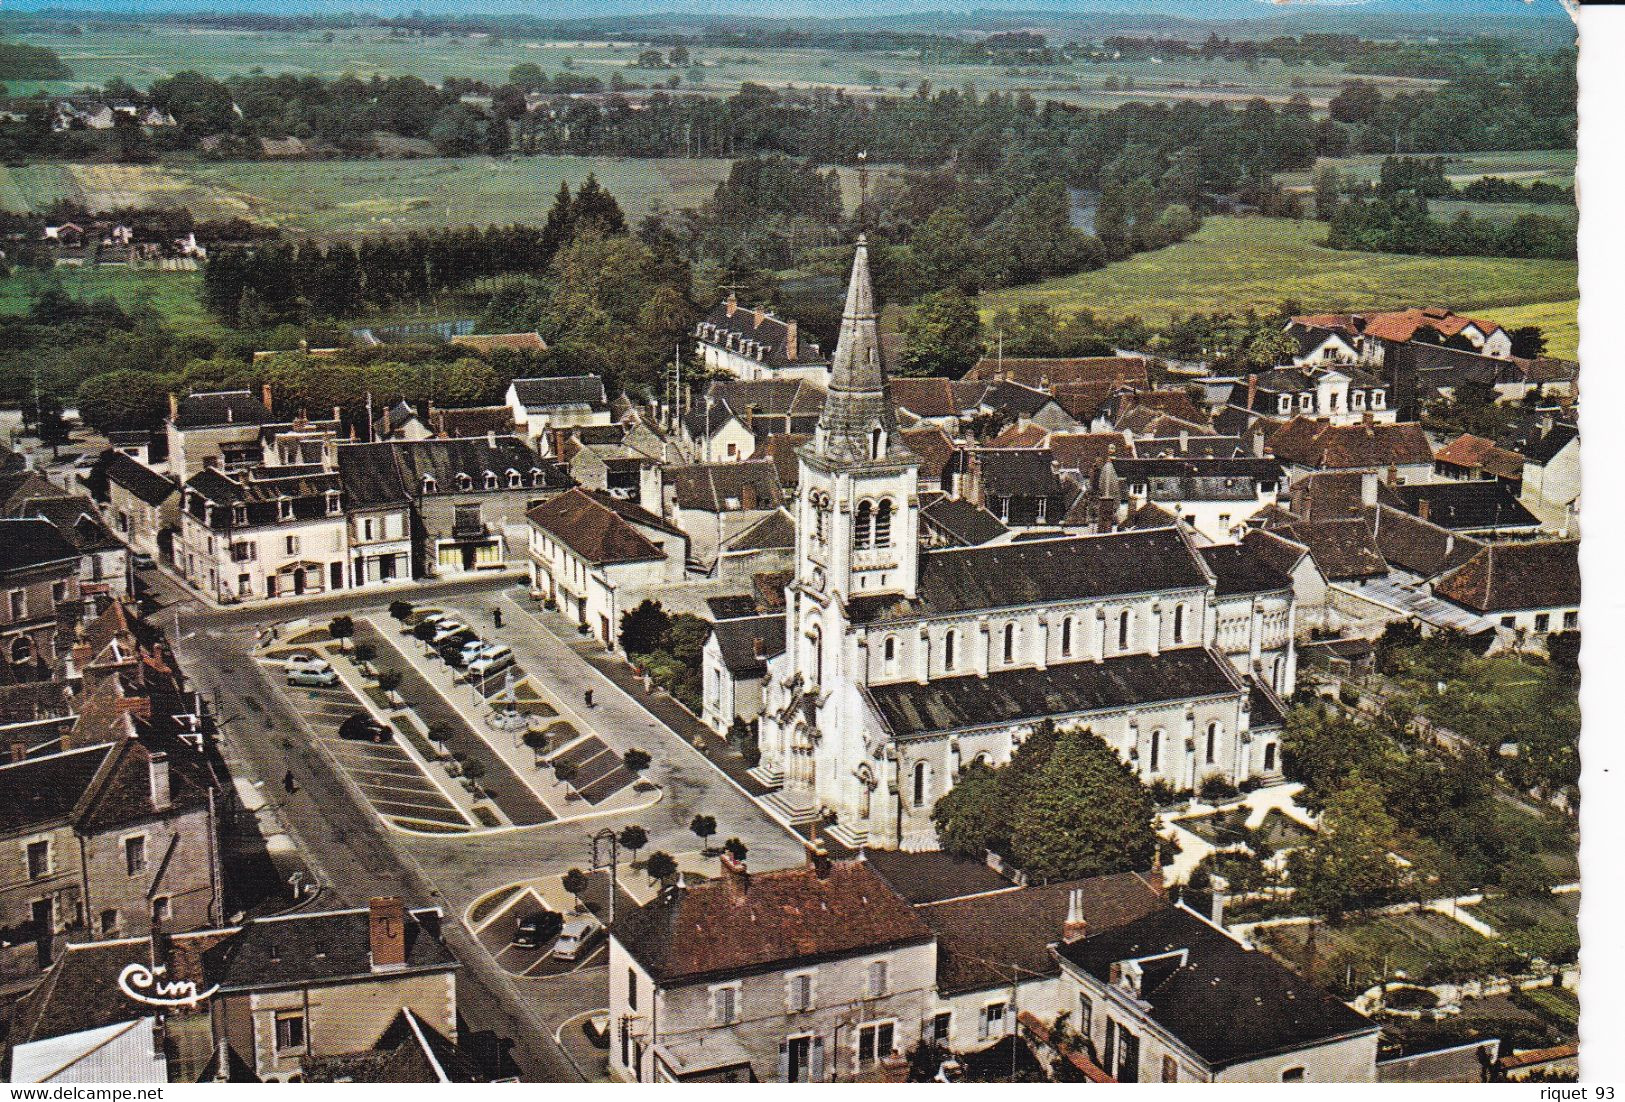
(858, 422)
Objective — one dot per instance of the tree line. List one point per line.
(1402, 225)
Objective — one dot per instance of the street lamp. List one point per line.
(606, 852)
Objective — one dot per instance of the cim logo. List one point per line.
(147, 985)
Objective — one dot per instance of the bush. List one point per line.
(1216, 790)
(636, 761)
(736, 849)
(1162, 793)
(401, 610)
(389, 680)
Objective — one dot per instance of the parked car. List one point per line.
(457, 650)
(579, 932)
(446, 629)
(488, 664)
(305, 662)
(361, 727)
(313, 678)
(537, 929)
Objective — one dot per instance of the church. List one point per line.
(904, 664)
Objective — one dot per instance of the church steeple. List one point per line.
(858, 424)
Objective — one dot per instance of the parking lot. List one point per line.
(388, 777)
(496, 933)
(599, 772)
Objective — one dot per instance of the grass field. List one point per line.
(173, 295)
(1234, 263)
(1538, 925)
(146, 53)
(1560, 321)
(343, 197)
(1406, 942)
(1554, 166)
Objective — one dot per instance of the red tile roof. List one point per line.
(755, 921)
(1046, 373)
(589, 526)
(1506, 577)
(1310, 443)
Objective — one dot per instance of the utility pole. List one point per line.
(605, 842)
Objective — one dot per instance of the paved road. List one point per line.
(339, 835)
(354, 854)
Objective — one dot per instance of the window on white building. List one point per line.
(949, 644)
(883, 524)
(863, 526)
(290, 1030)
(799, 994)
(879, 975)
(1066, 637)
(876, 1041)
(991, 1023)
(725, 1004)
(39, 859)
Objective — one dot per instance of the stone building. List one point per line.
(902, 665)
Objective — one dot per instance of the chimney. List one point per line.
(737, 876)
(1423, 508)
(174, 407)
(387, 933)
(732, 303)
(1155, 877)
(1366, 420)
(265, 395)
(19, 750)
(758, 648)
(1252, 390)
(1368, 488)
(491, 437)
(1076, 927)
(820, 861)
(758, 315)
(158, 780)
(791, 342)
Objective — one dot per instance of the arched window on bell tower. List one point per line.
(863, 526)
(877, 442)
(883, 524)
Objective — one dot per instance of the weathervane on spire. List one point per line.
(863, 189)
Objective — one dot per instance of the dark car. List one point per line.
(538, 929)
(452, 651)
(363, 728)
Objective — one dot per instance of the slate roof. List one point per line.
(1505, 577)
(223, 407)
(1282, 555)
(45, 790)
(1085, 452)
(472, 421)
(962, 522)
(1040, 572)
(1076, 688)
(1017, 472)
(1241, 568)
(1228, 1004)
(1544, 448)
(1328, 495)
(30, 542)
(1264, 708)
(748, 643)
(392, 471)
(314, 948)
(774, 532)
(780, 450)
(770, 331)
(1015, 928)
(143, 482)
(599, 527)
(1466, 506)
(721, 487)
(557, 391)
(1189, 475)
(260, 495)
(1317, 444)
(932, 876)
(929, 397)
(719, 928)
(1014, 398)
(934, 448)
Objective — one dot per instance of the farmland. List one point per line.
(348, 197)
(142, 54)
(173, 296)
(1552, 166)
(1233, 263)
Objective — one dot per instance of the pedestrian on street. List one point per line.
(588, 697)
(289, 785)
(496, 617)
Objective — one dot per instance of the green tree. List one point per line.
(1086, 816)
(1528, 341)
(1328, 191)
(943, 335)
(635, 760)
(703, 827)
(944, 251)
(661, 866)
(1269, 348)
(633, 838)
(575, 882)
(1347, 864)
(400, 611)
(644, 628)
(125, 399)
(341, 628)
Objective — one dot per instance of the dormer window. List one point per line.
(1306, 401)
(1377, 401)
(429, 484)
(514, 480)
(490, 480)
(284, 508)
(464, 482)
(535, 476)
(1357, 399)
(334, 502)
(1285, 404)
(239, 514)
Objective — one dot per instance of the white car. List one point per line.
(578, 933)
(445, 629)
(305, 662)
(487, 664)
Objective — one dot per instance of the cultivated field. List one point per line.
(1234, 263)
(143, 54)
(344, 197)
